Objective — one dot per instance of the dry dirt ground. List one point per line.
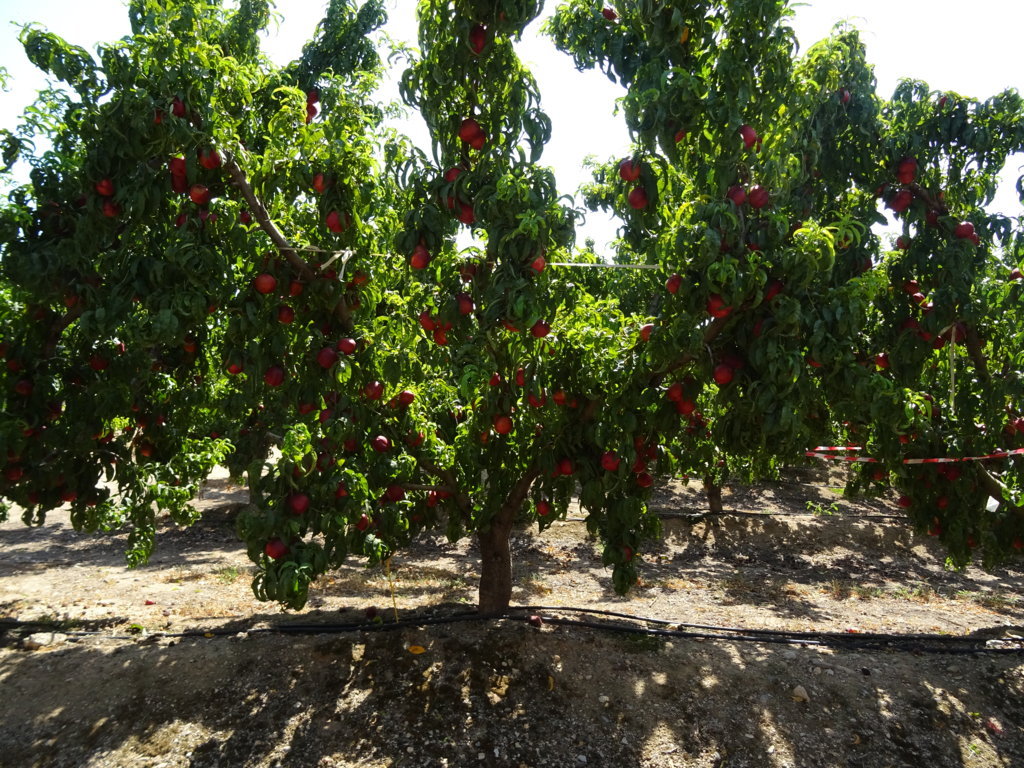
(114, 687)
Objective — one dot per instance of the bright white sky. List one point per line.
(972, 49)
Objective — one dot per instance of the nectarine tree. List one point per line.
(224, 261)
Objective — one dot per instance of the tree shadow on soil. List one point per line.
(56, 542)
(503, 695)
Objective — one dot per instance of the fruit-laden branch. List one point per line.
(263, 218)
(259, 210)
(710, 334)
(53, 339)
(998, 491)
(461, 499)
(930, 201)
(421, 487)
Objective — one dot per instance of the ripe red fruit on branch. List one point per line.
(466, 214)
(470, 130)
(675, 392)
(311, 112)
(844, 96)
(644, 480)
(381, 444)
(298, 503)
(274, 376)
(326, 357)
(347, 346)
(111, 209)
(209, 159)
(177, 166)
(609, 14)
(737, 194)
(464, 302)
(374, 390)
(234, 368)
(538, 264)
(903, 243)
(405, 398)
(565, 467)
(723, 374)
(906, 171)
(335, 222)
(320, 183)
(478, 39)
(629, 170)
(1016, 274)
(773, 289)
(363, 523)
(610, 461)
(264, 283)
(646, 330)
(178, 107)
(882, 360)
(673, 284)
(199, 194)
(452, 174)
(901, 201)
(749, 135)
(758, 197)
(420, 257)
(716, 306)
(540, 329)
(638, 198)
(285, 314)
(543, 508)
(964, 230)
(905, 502)
(105, 188)
(275, 549)
(502, 424)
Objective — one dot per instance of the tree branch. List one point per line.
(930, 201)
(419, 487)
(712, 332)
(998, 491)
(974, 350)
(259, 211)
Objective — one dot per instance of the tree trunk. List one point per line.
(495, 568)
(714, 494)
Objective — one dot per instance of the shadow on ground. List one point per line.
(503, 695)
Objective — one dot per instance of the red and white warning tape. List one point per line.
(830, 451)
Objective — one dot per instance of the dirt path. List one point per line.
(511, 694)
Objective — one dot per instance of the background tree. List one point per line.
(221, 260)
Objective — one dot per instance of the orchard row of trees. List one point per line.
(219, 260)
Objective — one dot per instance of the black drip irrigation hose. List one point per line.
(621, 623)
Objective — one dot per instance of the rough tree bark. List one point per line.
(495, 567)
(495, 552)
(714, 494)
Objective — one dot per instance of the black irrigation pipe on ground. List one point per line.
(791, 635)
(912, 643)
